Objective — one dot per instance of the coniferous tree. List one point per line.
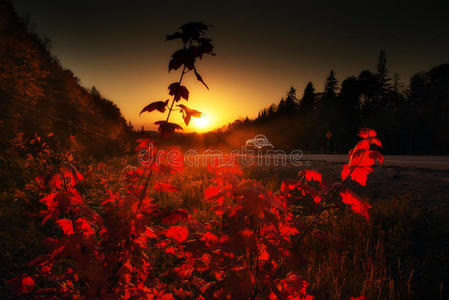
(291, 100)
(307, 105)
(330, 85)
(383, 73)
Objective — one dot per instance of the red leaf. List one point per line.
(357, 205)
(288, 185)
(358, 174)
(209, 237)
(28, 284)
(287, 231)
(149, 233)
(157, 105)
(312, 175)
(367, 133)
(292, 287)
(165, 187)
(84, 226)
(66, 226)
(254, 197)
(210, 192)
(143, 144)
(361, 158)
(22, 284)
(178, 233)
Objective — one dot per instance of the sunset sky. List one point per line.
(263, 47)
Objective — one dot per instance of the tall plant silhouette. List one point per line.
(195, 46)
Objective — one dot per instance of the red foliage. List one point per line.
(362, 158)
(22, 284)
(177, 233)
(312, 175)
(358, 205)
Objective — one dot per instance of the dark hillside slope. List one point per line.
(37, 95)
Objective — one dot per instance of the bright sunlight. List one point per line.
(201, 124)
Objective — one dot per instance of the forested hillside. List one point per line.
(38, 96)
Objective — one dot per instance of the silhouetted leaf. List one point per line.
(193, 30)
(206, 46)
(166, 128)
(199, 78)
(188, 113)
(157, 105)
(182, 57)
(179, 91)
(176, 35)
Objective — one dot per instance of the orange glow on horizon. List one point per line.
(202, 124)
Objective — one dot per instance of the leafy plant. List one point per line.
(195, 46)
(130, 247)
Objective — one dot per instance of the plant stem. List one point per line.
(174, 96)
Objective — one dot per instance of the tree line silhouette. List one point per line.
(409, 120)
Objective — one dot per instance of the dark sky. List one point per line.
(263, 47)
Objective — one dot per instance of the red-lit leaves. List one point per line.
(310, 184)
(253, 198)
(126, 244)
(66, 226)
(177, 233)
(188, 113)
(366, 133)
(178, 91)
(64, 177)
(254, 240)
(362, 157)
(158, 105)
(144, 144)
(22, 284)
(357, 205)
(312, 175)
(293, 286)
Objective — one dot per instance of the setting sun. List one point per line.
(201, 124)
